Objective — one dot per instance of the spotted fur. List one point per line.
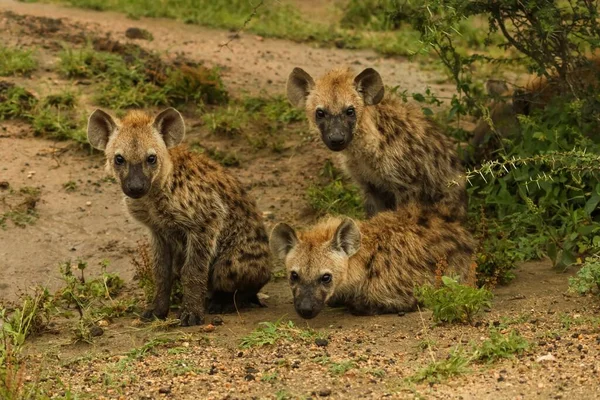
(205, 228)
(392, 150)
(373, 265)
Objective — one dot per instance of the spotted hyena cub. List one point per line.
(390, 149)
(205, 228)
(372, 266)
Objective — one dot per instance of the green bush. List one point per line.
(587, 279)
(537, 194)
(453, 302)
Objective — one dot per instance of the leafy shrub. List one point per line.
(500, 346)
(537, 196)
(453, 302)
(587, 279)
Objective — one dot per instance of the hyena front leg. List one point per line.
(377, 200)
(163, 278)
(194, 278)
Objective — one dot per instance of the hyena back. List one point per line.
(390, 148)
(371, 266)
(205, 229)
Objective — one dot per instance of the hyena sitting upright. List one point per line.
(390, 149)
(205, 229)
(372, 266)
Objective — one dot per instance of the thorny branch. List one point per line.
(236, 34)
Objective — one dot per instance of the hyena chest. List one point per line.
(156, 214)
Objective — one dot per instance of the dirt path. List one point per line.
(250, 63)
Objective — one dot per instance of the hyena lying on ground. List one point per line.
(371, 267)
(205, 229)
(390, 149)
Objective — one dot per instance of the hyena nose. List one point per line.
(135, 190)
(306, 309)
(338, 141)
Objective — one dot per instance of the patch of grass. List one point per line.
(453, 302)
(500, 346)
(437, 371)
(275, 109)
(269, 377)
(587, 279)
(340, 368)
(15, 101)
(336, 198)
(334, 195)
(225, 158)
(54, 116)
(70, 186)
(16, 61)
(147, 348)
(136, 78)
(227, 121)
(269, 333)
(23, 212)
(15, 327)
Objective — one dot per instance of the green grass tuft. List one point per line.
(453, 302)
(15, 61)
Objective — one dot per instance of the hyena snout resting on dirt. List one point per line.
(205, 229)
(390, 149)
(371, 266)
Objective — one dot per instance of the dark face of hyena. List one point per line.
(336, 101)
(136, 174)
(316, 267)
(310, 292)
(337, 129)
(136, 148)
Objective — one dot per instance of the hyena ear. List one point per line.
(347, 237)
(299, 85)
(370, 86)
(169, 123)
(283, 240)
(100, 126)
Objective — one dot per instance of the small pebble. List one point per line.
(249, 377)
(401, 313)
(96, 331)
(164, 390)
(88, 203)
(324, 392)
(321, 342)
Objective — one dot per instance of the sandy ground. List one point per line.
(90, 223)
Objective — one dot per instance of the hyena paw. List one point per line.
(191, 318)
(151, 314)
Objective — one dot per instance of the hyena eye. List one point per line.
(151, 159)
(350, 112)
(294, 276)
(320, 113)
(119, 160)
(326, 278)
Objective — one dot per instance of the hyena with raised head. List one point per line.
(205, 229)
(371, 266)
(390, 148)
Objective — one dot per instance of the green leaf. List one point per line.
(592, 203)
